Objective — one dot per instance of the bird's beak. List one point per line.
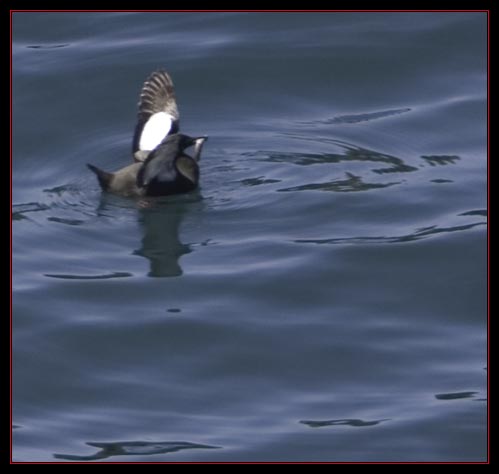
(198, 146)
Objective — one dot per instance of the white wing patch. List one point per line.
(155, 129)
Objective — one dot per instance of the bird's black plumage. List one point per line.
(160, 174)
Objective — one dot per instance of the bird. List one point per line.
(161, 166)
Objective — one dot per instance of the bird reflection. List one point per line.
(161, 244)
(160, 219)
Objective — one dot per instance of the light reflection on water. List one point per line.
(321, 297)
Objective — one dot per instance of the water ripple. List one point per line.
(417, 235)
(18, 210)
(357, 118)
(258, 181)
(67, 199)
(133, 448)
(348, 421)
(89, 277)
(477, 212)
(454, 395)
(440, 160)
(62, 220)
(351, 184)
(47, 46)
(351, 153)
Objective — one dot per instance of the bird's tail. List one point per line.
(103, 176)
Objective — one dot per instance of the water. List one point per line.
(321, 298)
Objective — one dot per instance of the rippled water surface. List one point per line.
(322, 297)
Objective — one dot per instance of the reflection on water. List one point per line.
(355, 183)
(160, 220)
(106, 276)
(440, 160)
(68, 199)
(477, 212)
(441, 181)
(416, 235)
(455, 395)
(356, 118)
(19, 210)
(352, 183)
(258, 181)
(133, 448)
(351, 153)
(161, 243)
(62, 220)
(47, 46)
(348, 421)
(242, 338)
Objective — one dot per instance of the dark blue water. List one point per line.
(322, 297)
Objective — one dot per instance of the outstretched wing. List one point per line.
(158, 114)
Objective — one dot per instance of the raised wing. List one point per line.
(158, 114)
